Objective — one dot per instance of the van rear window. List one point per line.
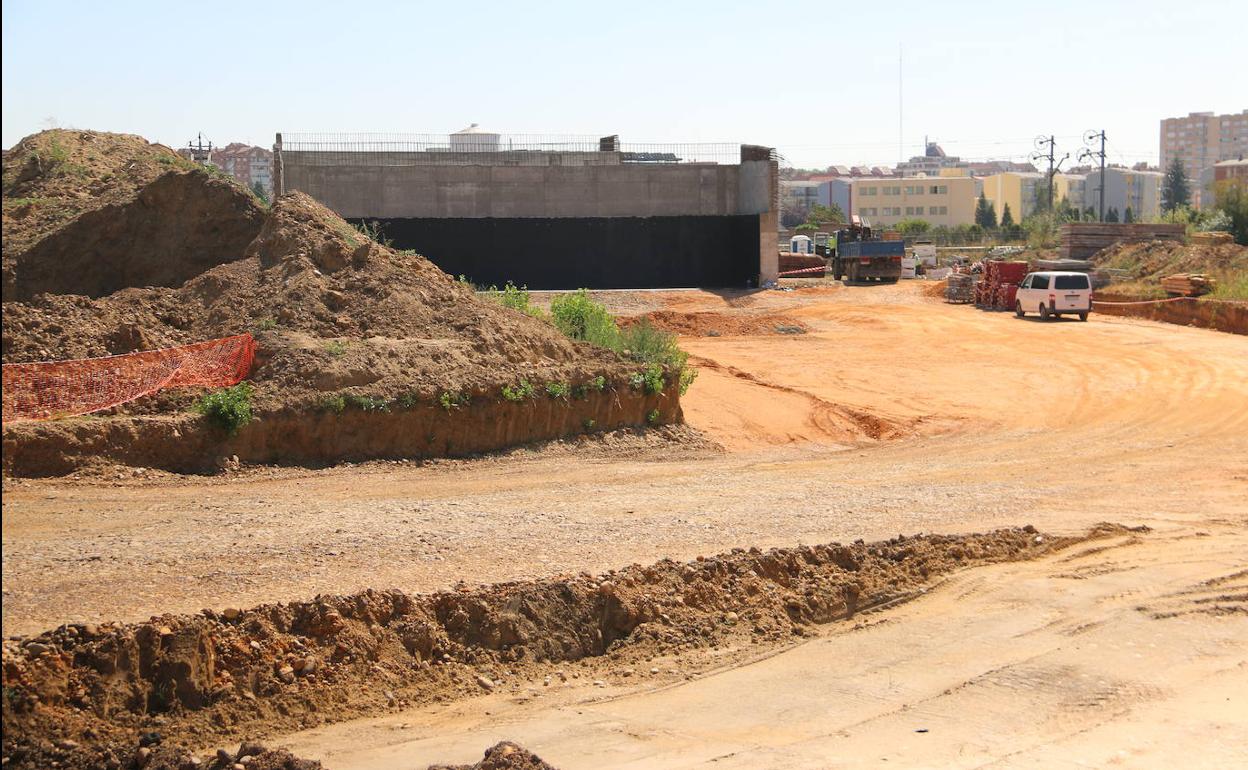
(1070, 282)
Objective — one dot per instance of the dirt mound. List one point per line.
(198, 679)
(1151, 261)
(712, 324)
(90, 213)
(504, 755)
(331, 310)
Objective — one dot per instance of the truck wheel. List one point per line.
(1018, 310)
(1083, 316)
(1044, 313)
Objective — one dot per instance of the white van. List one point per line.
(1053, 293)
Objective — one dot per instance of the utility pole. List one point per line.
(1054, 163)
(199, 152)
(1090, 152)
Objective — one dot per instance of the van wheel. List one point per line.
(1044, 312)
(1018, 309)
(1083, 316)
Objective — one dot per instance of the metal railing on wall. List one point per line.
(493, 149)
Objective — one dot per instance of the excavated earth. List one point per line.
(339, 320)
(89, 696)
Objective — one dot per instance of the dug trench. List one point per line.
(188, 443)
(154, 694)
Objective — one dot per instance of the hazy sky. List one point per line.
(818, 80)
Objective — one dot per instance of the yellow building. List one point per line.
(1016, 188)
(940, 201)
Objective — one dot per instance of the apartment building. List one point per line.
(247, 164)
(1201, 140)
(1070, 187)
(1126, 188)
(940, 201)
(1015, 188)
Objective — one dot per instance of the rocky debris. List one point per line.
(294, 665)
(504, 755)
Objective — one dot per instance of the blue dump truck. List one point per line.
(861, 255)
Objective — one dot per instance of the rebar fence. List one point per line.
(491, 149)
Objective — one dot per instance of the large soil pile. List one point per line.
(84, 695)
(89, 213)
(331, 310)
(1151, 261)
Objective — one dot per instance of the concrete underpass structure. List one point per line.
(559, 214)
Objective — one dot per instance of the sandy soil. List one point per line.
(892, 413)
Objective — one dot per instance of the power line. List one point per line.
(1054, 163)
(1089, 137)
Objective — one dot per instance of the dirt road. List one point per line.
(1127, 653)
(954, 420)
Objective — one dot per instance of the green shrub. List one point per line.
(687, 376)
(335, 403)
(599, 383)
(637, 380)
(336, 348)
(229, 408)
(653, 378)
(557, 389)
(520, 392)
(652, 416)
(580, 318)
(580, 392)
(643, 343)
(514, 297)
(589, 424)
(265, 324)
(451, 400)
(408, 400)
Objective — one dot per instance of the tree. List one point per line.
(1231, 198)
(985, 217)
(1007, 219)
(822, 215)
(1111, 215)
(1128, 216)
(912, 226)
(258, 189)
(1067, 212)
(1175, 191)
(1089, 214)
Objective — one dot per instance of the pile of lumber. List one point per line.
(1080, 240)
(1000, 284)
(1188, 284)
(1211, 239)
(960, 288)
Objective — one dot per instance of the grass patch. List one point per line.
(228, 408)
(336, 348)
(368, 403)
(1231, 286)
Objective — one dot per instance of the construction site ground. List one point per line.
(826, 413)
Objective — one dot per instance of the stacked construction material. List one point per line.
(1188, 284)
(1080, 240)
(1000, 284)
(960, 288)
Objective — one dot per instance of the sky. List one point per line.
(817, 80)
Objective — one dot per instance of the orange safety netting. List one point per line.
(49, 389)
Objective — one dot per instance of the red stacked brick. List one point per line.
(1000, 284)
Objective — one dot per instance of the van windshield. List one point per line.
(1070, 282)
